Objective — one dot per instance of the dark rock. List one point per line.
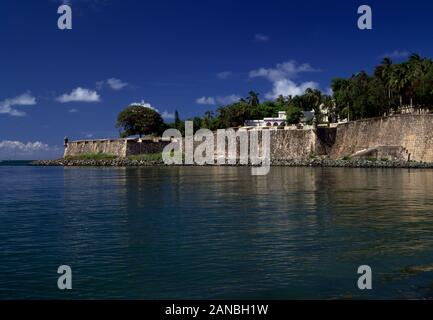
(318, 162)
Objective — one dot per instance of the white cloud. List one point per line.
(143, 104)
(80, 95)
(25, 99)
(73, 111)
(228, 99)
(116, 84)
(10, 149)
(206, 100)
(397, 54)
(287, 87)
(112, 83)
(283, 70)
(261, 37)
(167, 115)
(28, 147)
(219, 99)
(224, 75)
(281, 77)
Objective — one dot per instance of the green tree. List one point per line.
(178, 124)
(267, 109)
(253, 99)
(139, 120)
(293, 114)
(281, 100)
(235, 114)
(196, 123)
(383, 73)
(208, 121)
(315, 98)
(177, 121)
(399, 80)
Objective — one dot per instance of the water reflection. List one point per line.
(217, 232)
(287, 227)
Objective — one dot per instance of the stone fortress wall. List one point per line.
(401, 137)
(117, 147)
(413, 133)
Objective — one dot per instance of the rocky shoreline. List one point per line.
(316, 162)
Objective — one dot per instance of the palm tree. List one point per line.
(416, 71)
(208, 119)
(281, 100)
(399, 80)
(315, 96)
(414, 57)
(383, 72)
(253, 98)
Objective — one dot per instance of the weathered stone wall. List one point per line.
(285, 144)
(115, 147)
(118, 147)
(289, 144)
(414, 133)
(300, 144)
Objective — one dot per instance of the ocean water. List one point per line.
(215, 232)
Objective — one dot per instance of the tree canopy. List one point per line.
(139, 120)
(391, 88)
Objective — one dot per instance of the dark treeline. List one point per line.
(391, 89)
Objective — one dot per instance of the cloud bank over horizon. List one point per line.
(12, 149)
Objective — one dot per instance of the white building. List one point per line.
(268, 122)
(279, 121)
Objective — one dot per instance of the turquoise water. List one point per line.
(215, 232)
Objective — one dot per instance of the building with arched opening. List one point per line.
(268, 122)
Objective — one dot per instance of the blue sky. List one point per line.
(189, 56)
